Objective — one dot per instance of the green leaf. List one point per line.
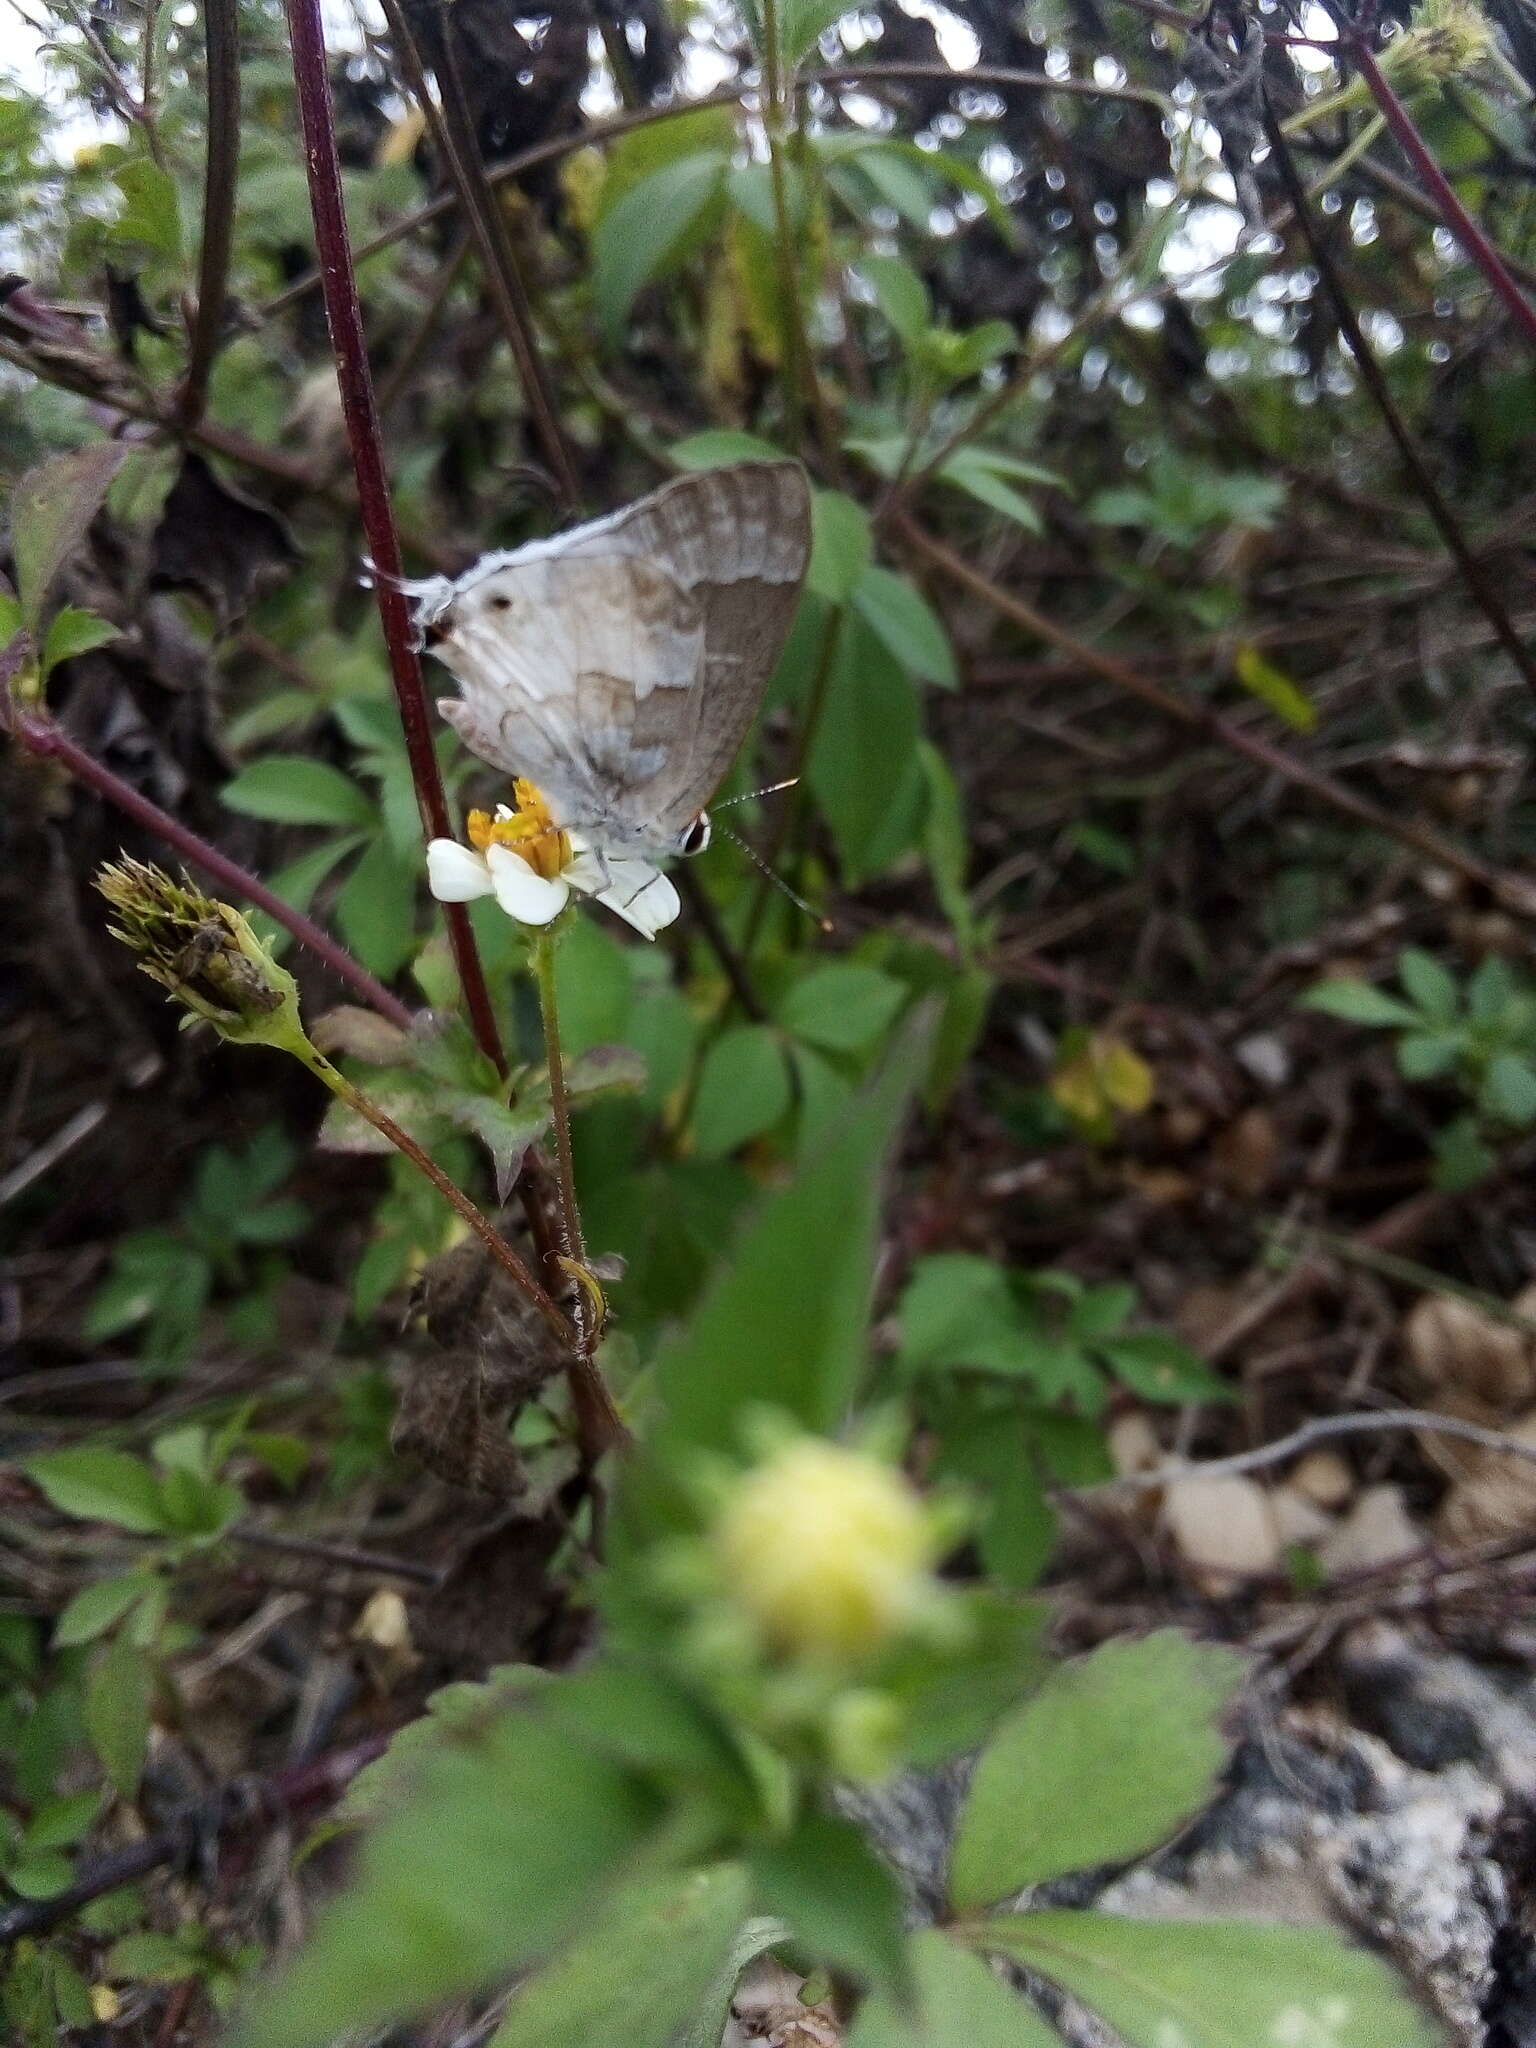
(1490, 990)
(640, 1971)
(945, 843)
(982, 473)
(721, 445)
(117, 1699)
(100, 1485)
(649, 229)
(991, 1454)
(148, 1958)
(841, 546)
(376, 909)
(845, 1007)
(864, 766)
(1509, 1090)
(507, 1842)
(900, 294)
(96, 1607)
(288, 789)
(1426, 1055)
(801, 22)
(152, 216)
(51, 508)
(505, 1133)
(1112, 1754)
(744, 1089)
(1431, 985)
(61, 1822)
(958, 1310)
(1272, 686)
(845, 1905)
(1358, 1003)
(1217, 1983)
(1157, 1366)
(800, 1348)
(961, 2003)
(904, 621)
(74, 631)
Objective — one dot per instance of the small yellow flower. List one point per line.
(528, 830)
(828, 1551)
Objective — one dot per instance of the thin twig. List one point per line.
(43, 737)
(1320, 1430)
(345, 320)
(1472, 571)
(1511, 892)
(453, 133)
(221, 27)
(345, 1555)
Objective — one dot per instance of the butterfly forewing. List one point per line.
(621, 665)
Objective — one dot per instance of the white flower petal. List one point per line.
(642, 895)
(523, 894)
(456, 874)
(586, 871)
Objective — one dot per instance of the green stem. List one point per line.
(560, 1111)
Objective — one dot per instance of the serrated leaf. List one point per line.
(961, 2003)
(640, 1972)
(74, 631)
(1217, 1983)
(1112, 1753)
(100, 1485)
(51, 508)
(289, 789)
(152, 215)
(841, 1900)
(505, 1133)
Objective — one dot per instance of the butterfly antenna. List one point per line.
(774, 876)
(769, 789)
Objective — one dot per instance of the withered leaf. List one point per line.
(214, 540)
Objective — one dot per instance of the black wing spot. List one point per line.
(501, 604)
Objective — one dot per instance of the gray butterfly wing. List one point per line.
(621, 665)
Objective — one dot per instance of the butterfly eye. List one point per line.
(696, 838)
(438, 630)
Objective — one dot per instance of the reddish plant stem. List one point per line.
(1473, 574)
(221, 29)
(1456, 217)
(345, 319)
(44, 737)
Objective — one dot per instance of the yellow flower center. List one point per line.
(528, 830)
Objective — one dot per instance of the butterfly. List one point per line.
(619, 666)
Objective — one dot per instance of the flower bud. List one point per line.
(828, 1551)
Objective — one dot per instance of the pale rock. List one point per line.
(1133, 1445)
(1299, 1519)
(1224, 1527)
(1497, 1495)
(1377, 1530)
(1323, 1477)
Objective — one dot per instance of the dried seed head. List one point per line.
(204, 952)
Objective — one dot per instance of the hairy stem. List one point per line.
(221, 25)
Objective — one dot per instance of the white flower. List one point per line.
(530, 866)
